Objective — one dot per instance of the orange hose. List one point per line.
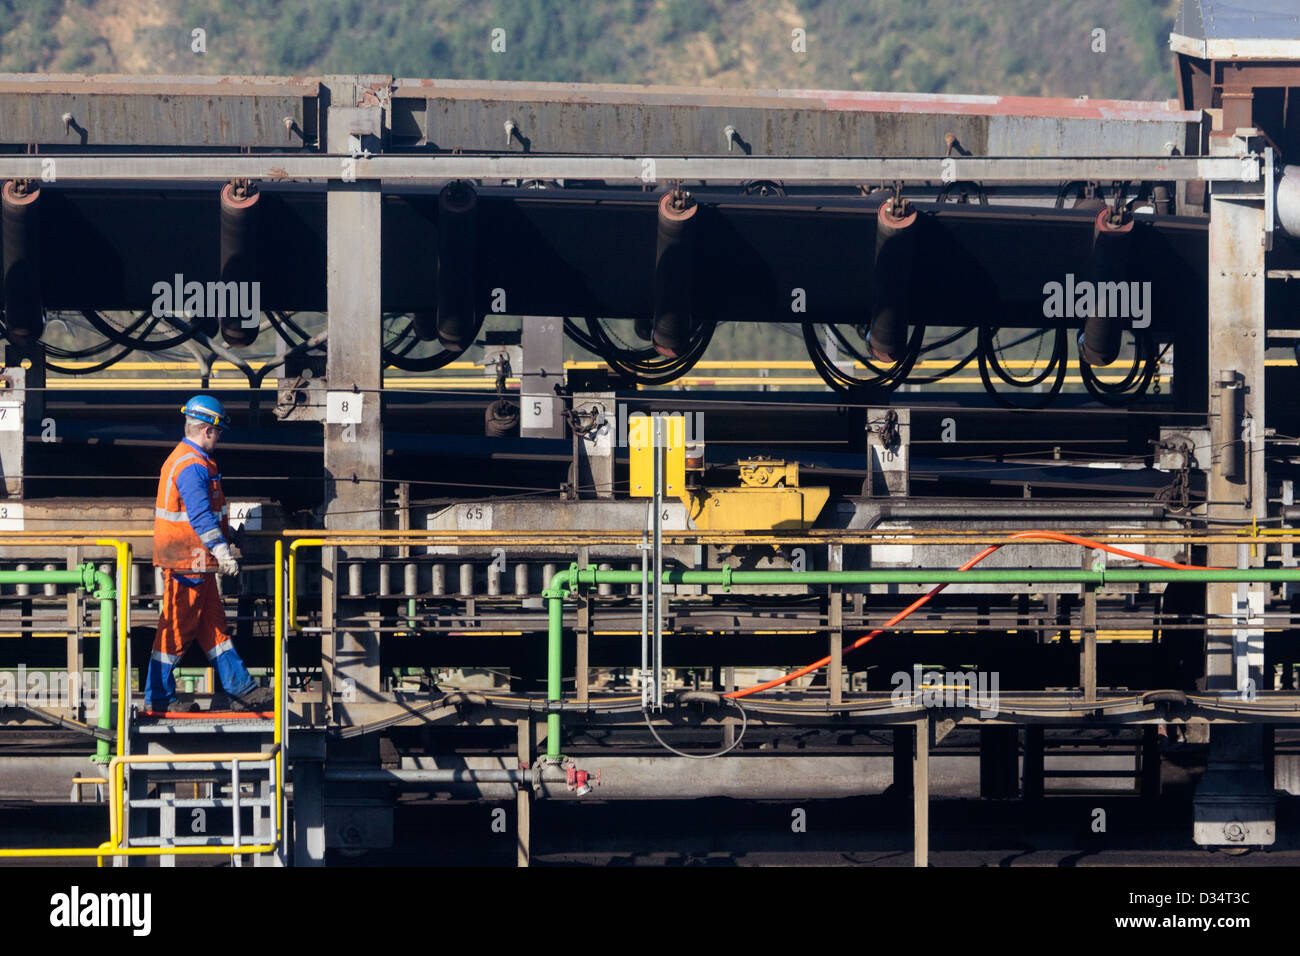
(919, 602)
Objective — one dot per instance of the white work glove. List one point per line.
(226, 562)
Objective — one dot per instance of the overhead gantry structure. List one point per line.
(566, 206)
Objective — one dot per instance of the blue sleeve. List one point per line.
(192, 483)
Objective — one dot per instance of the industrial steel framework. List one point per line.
(375, 193)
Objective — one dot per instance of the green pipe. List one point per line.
(106, 602)
(87, 578)
(554, 643)
(83, 576)
(950, 576)
(567, 580)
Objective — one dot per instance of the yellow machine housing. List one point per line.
(769, 499)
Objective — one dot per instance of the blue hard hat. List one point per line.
(205, 408)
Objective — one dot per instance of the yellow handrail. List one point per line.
(278, 681)
(117, 774)
(293, 568)
(122, 552)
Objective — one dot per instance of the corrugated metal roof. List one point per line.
(1239, 19)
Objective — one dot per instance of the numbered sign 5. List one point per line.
(343, 408)
(536, 411)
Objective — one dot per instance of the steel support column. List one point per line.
(1088, 646)
(524, 796)
(921, 794)
(353, 444)
(308, 813)
(1234, 803)
(541, 411)
(835, 624)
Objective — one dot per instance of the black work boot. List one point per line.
(173, 707)
(256, 699)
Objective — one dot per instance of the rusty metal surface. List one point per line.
(855, 100)
(216, 111)
(803, 123)
(163, 111)
(169, 119)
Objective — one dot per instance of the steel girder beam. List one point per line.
(210, 112)
(612, 119)
(552, 250)
(630, 170)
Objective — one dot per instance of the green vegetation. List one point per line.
(1030, 47)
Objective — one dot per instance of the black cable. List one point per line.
(287, 320)
(644, 366)
(427, 363)
(121, 338)
(108, 362)
(1059, 363)
(949, 339)
(108, 343)
(887, 379)
(940, 376)
(104, 346)
(991, 349)
(644, 360)
(279, 321)
(400, 338)
(1124, 392)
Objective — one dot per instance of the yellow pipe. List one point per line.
(435, 534)
(888, 535)
(738, 364)
(389, 537)
(277, 681)
(613, 539)
(293, 578)
(105, 850)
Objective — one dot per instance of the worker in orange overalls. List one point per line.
(190, 544)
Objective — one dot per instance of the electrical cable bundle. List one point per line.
(644, 366)
(138, 343)
(886, 378)
(1057, 364)
(1146, 361)
(126, 339)
(398, 359)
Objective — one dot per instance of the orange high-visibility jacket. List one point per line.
(176, 546)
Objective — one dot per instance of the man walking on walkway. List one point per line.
(191, 544)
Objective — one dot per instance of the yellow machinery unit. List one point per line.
(769, 497)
